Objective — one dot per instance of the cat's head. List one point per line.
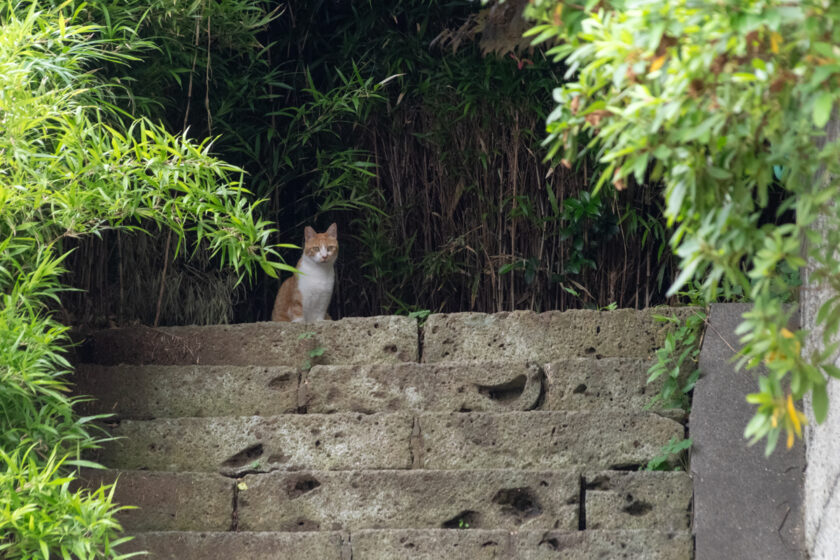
(321, 247)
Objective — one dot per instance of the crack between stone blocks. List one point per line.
(543, 379)
(509, 549)
(421, 336)
(300, 397)
(234, 516)
(346, 551)
(237, 475)
(582, 505)
(415, 445)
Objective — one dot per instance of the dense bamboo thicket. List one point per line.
(415, 125)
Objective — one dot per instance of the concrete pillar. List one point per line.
(822, 473)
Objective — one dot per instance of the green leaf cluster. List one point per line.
(724, 104)
(671, 457)
(72, 164)
(46, 517)
(676, 361)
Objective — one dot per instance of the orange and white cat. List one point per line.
(306, 296)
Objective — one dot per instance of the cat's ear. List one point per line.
(308, 233)
(332, 231)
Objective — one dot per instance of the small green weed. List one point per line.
(681, 348)
(421, 315)
(672, 457)
(313, 353)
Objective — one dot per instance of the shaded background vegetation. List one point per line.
(416, 125)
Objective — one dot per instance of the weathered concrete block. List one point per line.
(355, 340)
(545, 337)
(312, 500)
(143, 392)
(168, 501)
(245, 444)
(543, 440)
(586, 383)
(638, 500)
(431, 544)
(238, 546)
(746, 505)
(609, 545)
(446, 387)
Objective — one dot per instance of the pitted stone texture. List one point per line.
(143, 392)
(432, 544)
(638, 500)
(585, 384)
(232, 445)
(447, 387)
(238, 546)
(313, 500)
(543, 440)
(168, 501)
(355, 340)
(545, 337)
(609, 545)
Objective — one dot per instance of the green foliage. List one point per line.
(724, 104)
(421, 315)
(676, 361)
(314, 351)
(42, 516)
(360, 113)
(73, 165)
(672, 457)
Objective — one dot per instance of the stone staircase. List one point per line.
(512, 436)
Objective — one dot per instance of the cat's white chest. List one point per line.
(315, 283)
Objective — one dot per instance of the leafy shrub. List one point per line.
(73, 165)
(676, 361)
(723, 104)
(45, 517)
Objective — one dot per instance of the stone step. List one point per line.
(517, 335)
(145, 392)
(173, 545)
(637, 500)
(498, 386)
(414, 544)
(237, 444)
(526, 440)
(350, 500)
(355, 340)
(446, 387)
(168, 501)
(546, 337)
(524, 545)
(153, 391)
(513, 500)
(480, 499)
(604, 439)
